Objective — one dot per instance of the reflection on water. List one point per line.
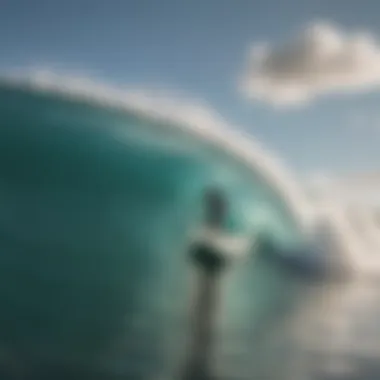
(336, 331)
(274, 324)
(309, 330)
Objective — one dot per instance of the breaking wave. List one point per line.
(100, 190)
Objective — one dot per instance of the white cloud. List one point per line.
(322, 59)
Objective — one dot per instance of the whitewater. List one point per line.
(100, 194)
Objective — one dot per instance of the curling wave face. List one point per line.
(97, 202)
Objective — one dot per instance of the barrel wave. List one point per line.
(98, 200)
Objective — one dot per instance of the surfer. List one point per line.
(209, 263)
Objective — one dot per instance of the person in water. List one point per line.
(209, 263)
(202, 254)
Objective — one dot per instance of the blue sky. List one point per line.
(200, 47)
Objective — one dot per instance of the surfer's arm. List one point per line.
(223, 248)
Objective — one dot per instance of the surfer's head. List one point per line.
(215, 205)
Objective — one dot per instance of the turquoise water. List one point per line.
(96, 208)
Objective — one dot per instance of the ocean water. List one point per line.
(97, 207)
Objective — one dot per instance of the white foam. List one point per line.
(353, 234)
